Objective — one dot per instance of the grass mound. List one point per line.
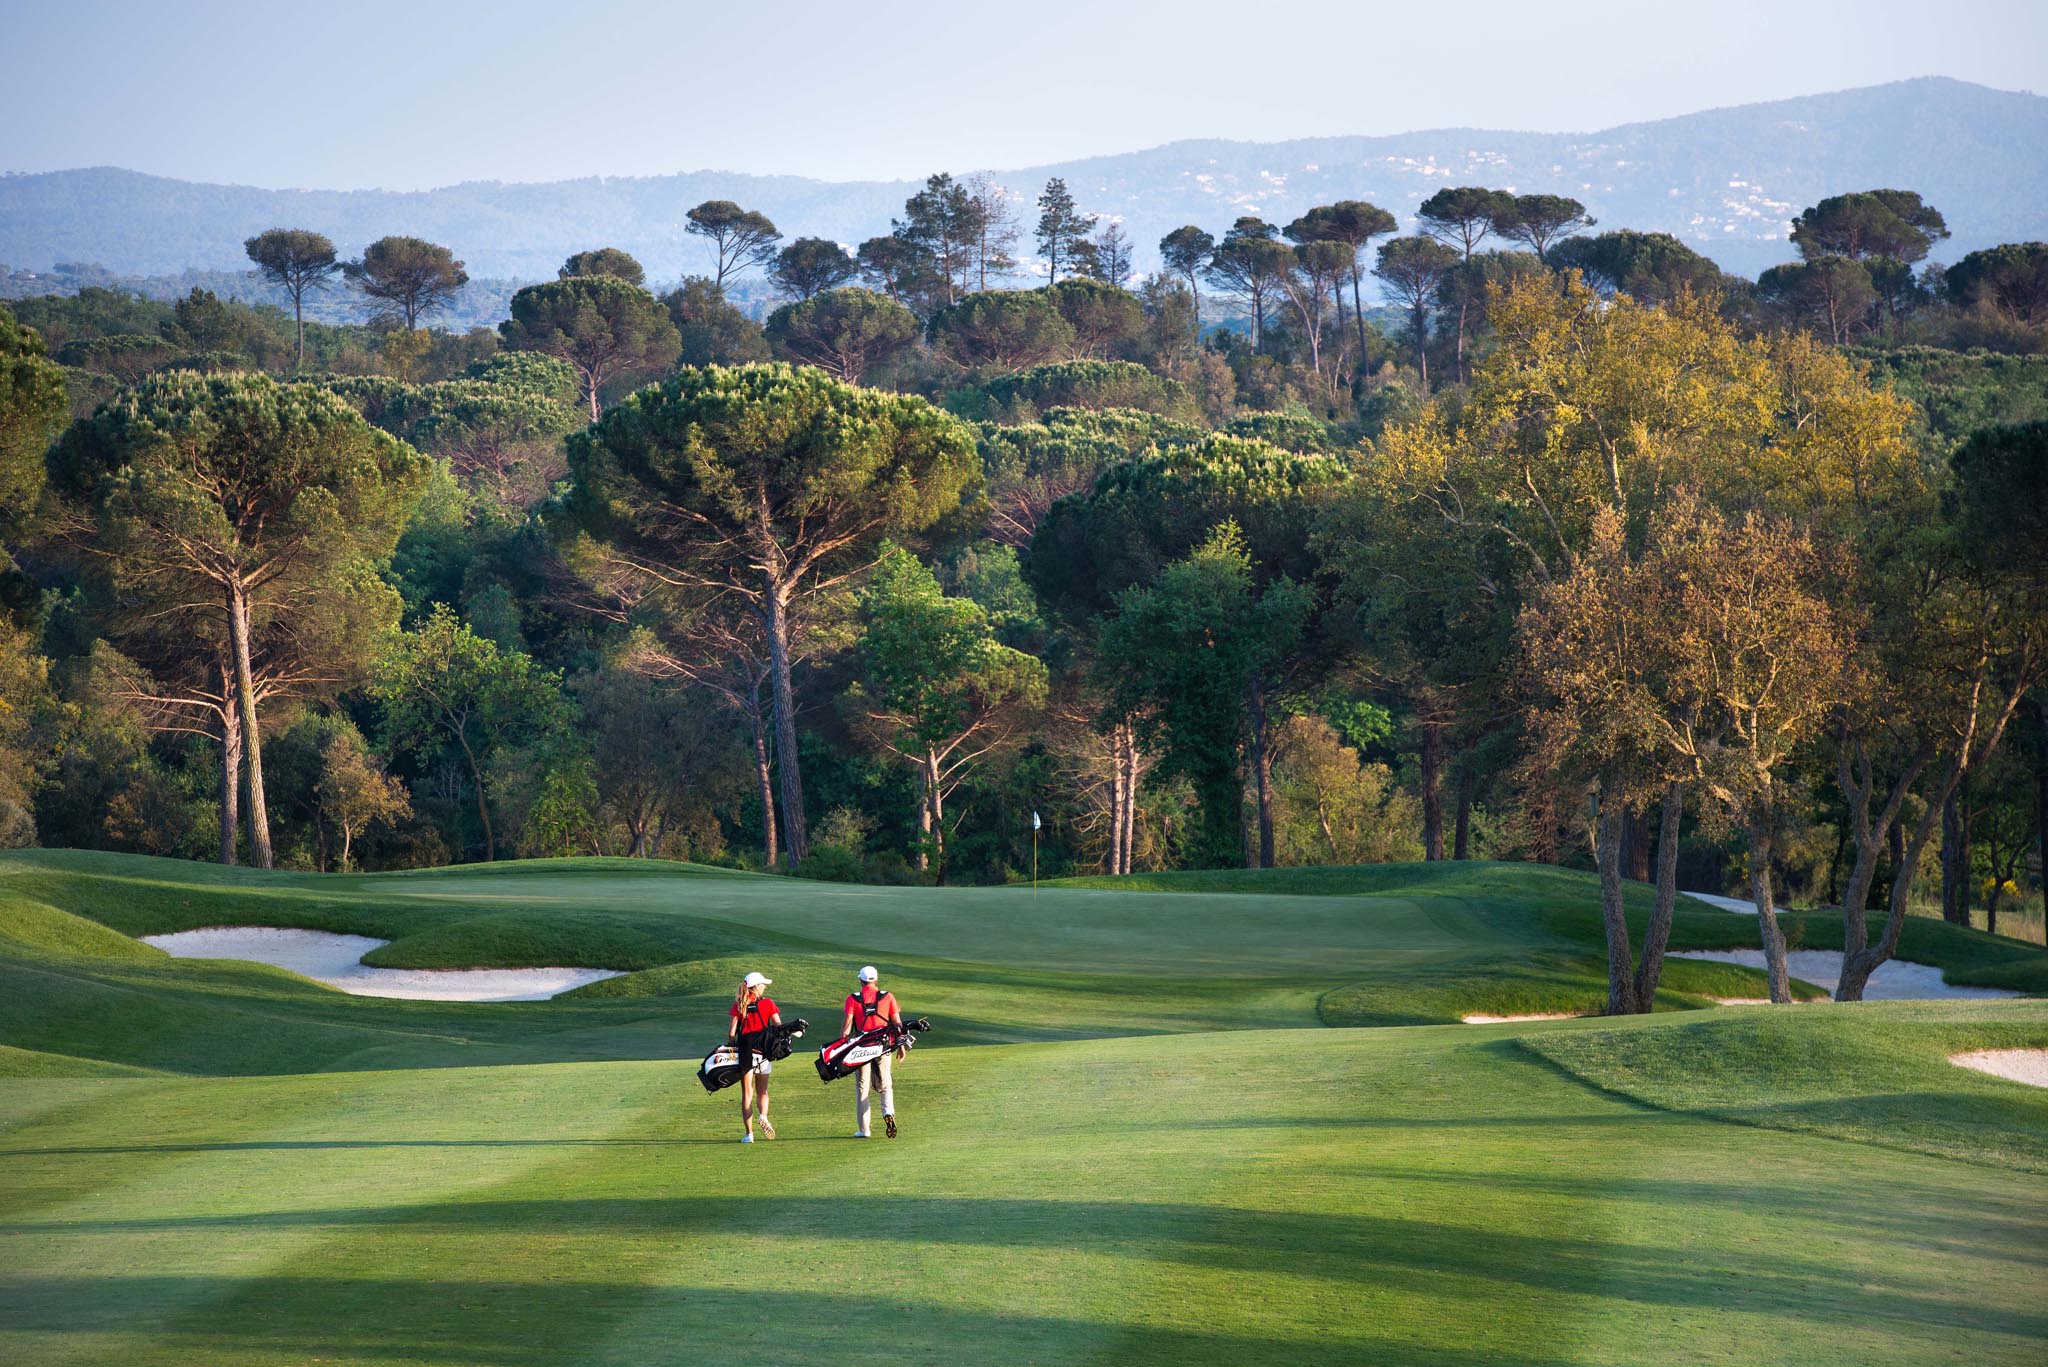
(1530, 984)
(35, 926)
(1873, 1073)
(543, 939)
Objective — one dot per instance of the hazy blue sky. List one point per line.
(408, 95)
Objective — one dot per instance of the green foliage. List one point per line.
(611, 261)
(1063, 231)
(1869, 223)
(1001, 330)
(32, 405)
(1958, 392)
(712, 330)
(1651, 268)
(1288, 431)
(607, 330)
(810, 266)
(844, 332)
(1184, 656)
(407, 278)
(1146, 513)
(1025, 396)
(1106, 319)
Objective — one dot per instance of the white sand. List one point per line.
(1539, 1016)
(337, 961)
(1734, 904)
(1895, 980)
(2015, 1065)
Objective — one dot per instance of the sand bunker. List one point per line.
(2015, 1065)
(1895, 981)
(1734, 904)
(1538, 1016)
(337, 961)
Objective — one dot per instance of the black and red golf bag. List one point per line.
(846, 1056)
(721, 1068)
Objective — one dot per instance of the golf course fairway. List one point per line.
(1197, 1118)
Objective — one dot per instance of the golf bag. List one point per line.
(844, 1057)
(721, 1067)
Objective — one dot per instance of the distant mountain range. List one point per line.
(1726, 181)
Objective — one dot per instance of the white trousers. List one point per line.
(860, 1091)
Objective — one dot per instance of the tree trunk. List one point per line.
(924, 813)
(347, 839)
(252, 737)
(1129, 747)
(1422, 346)
(1621, 987)
(1650, 967)
(795, 834)
(1461, 825)
(1955, 857)
(2041, 788)
(1766, 909)
(1357, 310)
(1432, 789)
(299, 316)
(483, 802)
(763, 777)
(1262, 773)
(938, 813)
(230, 774)
(1119, 794)
(1635, 850)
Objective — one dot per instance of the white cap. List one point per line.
(868, 974)
(756, 980)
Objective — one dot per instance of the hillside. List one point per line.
(1725, 180)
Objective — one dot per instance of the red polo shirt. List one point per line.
(757, 1017)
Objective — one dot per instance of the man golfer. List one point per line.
(868, 1007)
(753, 1012)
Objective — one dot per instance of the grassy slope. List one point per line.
(1436, 1196)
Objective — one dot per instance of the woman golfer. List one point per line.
(868, 1007)
(753, 1011)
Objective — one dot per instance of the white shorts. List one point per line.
(762, 1067)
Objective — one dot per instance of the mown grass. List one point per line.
(1127, 1141)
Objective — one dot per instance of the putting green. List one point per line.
(1151, 1153)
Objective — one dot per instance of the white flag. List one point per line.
(1034, 820)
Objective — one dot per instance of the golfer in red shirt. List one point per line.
(868, 1007)
(753, 1011)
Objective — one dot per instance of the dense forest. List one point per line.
(1518, 537)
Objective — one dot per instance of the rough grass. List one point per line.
(1874, 1076)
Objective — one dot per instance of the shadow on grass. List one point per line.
(1416, 1257)
(509, 1323)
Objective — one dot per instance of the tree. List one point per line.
(1832, 293)
(712, 331)
(740, 239)
(1199, 657)
(32, 409)
(600, 326)
(445, 685)
(1337, 808)
(2010, 279)
(1354, 223)
(1411, 268)
(996, 220)
(354, 791)
(612, 261)
(1463, 217)
(1063, 230)
(845, 332)
(1250, 265)
(1651, 268)
(295, 260)
(1112, 260)
(406, 278)
(242, 497)
(1105, 319)
(1316, 279)
(771, 484)
(660, 761)
(934, 687)
(1542, 221)
(809, 266)
(900, 269)
(1872, 223)
(1002, 330)
(1704, 661)
(1186, 252)
(943, 224)
(1465, 288)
